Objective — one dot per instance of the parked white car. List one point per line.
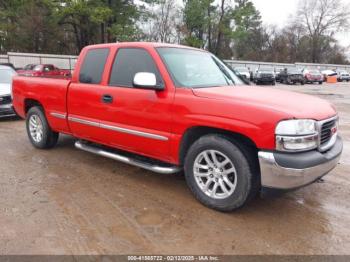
(327, 73)
(6, 75)
(243, 71)
(343, 76)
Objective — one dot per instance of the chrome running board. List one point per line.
(127, 160)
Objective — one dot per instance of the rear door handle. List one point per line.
(107, 99)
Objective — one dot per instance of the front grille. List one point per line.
(4, 100)
(326, 131)
(266, 75)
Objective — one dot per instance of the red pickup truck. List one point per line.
(168, 108)
(45, 70)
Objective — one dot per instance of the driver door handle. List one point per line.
(107, 99)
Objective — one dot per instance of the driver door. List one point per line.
(137, 119)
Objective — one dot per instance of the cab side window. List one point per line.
(48, 68)
(93, 66)
(130, 61)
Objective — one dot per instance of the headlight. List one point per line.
(296, 135)
(296, 127)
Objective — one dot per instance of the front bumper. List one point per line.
(265, 80)
(7, 110)
(288, 171)
(296, 80)
(314, 80)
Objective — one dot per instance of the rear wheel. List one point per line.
(219, 174)
(39, 132)
(320, 82)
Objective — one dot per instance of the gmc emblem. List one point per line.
(334, 130)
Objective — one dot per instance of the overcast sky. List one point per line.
(278, 11)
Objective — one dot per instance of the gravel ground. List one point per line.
(65, 201)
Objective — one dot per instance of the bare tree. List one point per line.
(321, 19)
(165, 24)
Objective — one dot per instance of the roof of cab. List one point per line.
(2, 67)
(141, 44)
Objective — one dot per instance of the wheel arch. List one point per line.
(29, 103)
(194, 133)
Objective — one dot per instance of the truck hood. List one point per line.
(5, 89)
(292, 104)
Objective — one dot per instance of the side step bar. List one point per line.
(128, 160)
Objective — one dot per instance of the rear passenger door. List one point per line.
(85, 107)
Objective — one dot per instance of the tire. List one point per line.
(37, 122)
(244, 179)
(274, 83)
(320, 83)
(302, 83)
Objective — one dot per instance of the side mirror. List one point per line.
(147, 81)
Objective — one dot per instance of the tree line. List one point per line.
(227, 28)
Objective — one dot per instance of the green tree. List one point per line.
(101, 21)
(198, 22)
(28, 26)
(248, 35)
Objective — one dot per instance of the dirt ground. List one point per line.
(65, 201)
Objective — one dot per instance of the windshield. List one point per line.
(294, 71)
(37, 68)
(29, 67)
(242, 69)
(316, 72)
(6, 76)
(197, 69)
(266, 70)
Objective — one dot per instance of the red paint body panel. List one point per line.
(250, 111)
(50, 93)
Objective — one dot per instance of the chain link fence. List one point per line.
(19, 60)
(252, 65)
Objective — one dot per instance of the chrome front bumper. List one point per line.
(285, 172)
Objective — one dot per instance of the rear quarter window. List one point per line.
(93, 66)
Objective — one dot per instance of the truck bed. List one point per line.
(52, 94)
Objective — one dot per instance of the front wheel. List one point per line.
(39, 132)
(219, 174)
